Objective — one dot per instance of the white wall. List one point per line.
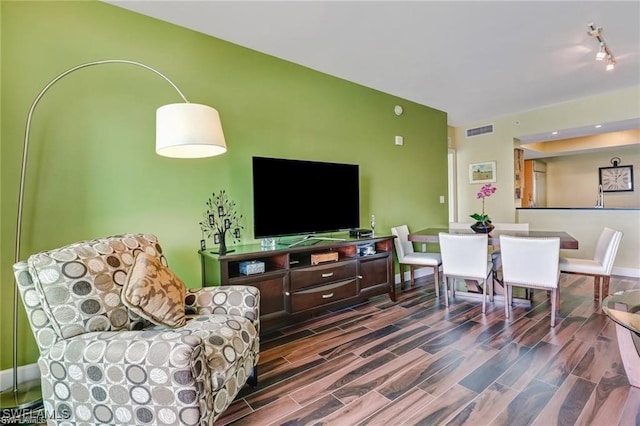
(572, 181)
(498, 146)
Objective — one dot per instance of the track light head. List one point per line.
(603, 50)
(602, 53)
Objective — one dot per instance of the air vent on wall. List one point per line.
(482, 130)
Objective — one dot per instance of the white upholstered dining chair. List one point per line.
(407, 256)
(465, 256)
(530, 263)
(600, 266)
(495, 253)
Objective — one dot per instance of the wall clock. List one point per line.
(616, 179)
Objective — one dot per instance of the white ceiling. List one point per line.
(473, 59)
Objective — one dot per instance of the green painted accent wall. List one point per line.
(93, 170)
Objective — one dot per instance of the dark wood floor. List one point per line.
(416, 362)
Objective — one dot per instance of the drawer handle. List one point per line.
(327, 275)
(327, 296)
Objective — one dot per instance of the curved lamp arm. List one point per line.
(25, 147)
(183, 130)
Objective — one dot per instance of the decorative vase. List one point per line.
(482, 227)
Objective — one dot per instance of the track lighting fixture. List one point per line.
(603, 51)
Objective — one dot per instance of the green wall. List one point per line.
(92, 168)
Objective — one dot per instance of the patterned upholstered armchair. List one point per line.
(115, 349)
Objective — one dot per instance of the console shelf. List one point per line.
(292, 288)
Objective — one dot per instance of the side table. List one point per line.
(623, 307)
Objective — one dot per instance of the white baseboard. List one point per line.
(417, 273)
(25, 373)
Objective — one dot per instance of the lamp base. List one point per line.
(23, 402)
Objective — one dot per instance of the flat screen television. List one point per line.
(296, 197)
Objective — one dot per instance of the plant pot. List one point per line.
(482, 227)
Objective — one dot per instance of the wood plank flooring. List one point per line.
(416, 362)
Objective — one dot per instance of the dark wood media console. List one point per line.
(292, 288)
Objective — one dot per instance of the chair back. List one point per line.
(510, 226)
(464, 254)
(76, 289)
(607, 248)
(534, 261)
(402, 243)
(460, 225)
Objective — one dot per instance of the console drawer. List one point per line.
(318, 296)
(322, 274)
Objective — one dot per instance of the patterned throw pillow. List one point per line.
(154, 292)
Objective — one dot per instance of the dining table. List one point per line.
(430, 235)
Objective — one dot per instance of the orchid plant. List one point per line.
(487, 190)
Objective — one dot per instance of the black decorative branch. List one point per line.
(220, 217)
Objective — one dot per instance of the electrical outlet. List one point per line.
(399, 140)
(442, 199)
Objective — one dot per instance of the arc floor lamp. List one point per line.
(183, 130)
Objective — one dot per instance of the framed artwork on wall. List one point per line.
(616, 178)
(482, 172)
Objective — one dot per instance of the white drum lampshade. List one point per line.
(187, 130)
